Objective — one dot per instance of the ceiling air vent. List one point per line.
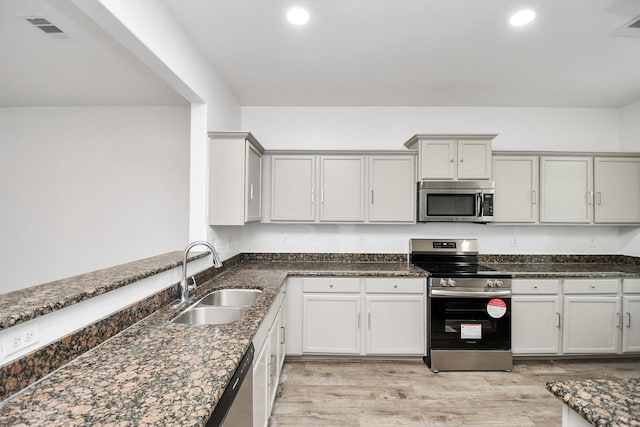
(47, 27)
(630, 29)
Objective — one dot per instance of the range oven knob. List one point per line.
(443, 282)
(451, 282)
(490, 283)
(499, 283)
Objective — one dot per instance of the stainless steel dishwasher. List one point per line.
(235, 407)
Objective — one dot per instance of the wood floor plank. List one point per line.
(401, 393)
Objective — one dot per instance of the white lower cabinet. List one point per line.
(631, 316)
(575, 316)
(267, 364)
(331, 324)
(372, 316)
(392, 324)
(536, 316)
(591, 324)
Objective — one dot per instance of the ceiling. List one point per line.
(352, 52)
(86, 68)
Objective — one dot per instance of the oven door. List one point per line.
(467, 323)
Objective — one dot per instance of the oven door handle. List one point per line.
(438, 293)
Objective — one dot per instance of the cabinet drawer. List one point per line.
(394, 285)
(331, 284)
(535, 286)
(591, 286)
(631, 286)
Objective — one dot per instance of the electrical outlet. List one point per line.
(21, 337)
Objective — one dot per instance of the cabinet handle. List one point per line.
(283, 339)
(313, 192)
(331, 286)
(628, 319)
(599, 197)
(589, 197)
(358, 320)
(557, 319)
(251, 191)
(395, 286)
(617, 320)
(461, 160)
(369, 320)
(534, 199)
(372, 196)
(322, 195)
(451, 160)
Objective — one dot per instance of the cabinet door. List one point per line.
(535, 324)
(591, 324)
(392, 194)
(292, 188)
(631, 323)
(331, 324)
(261, 410)
(474, 160)
(253, 187)
(274, 368)
(567, 189)
(342, 188)
(617, 186)
(396, 324)
(282, 338)
(438, 159)
(516, 184)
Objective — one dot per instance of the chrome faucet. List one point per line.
(184, 288)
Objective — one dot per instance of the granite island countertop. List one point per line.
(157, 373)
(612, 402)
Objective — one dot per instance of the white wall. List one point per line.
(387, 128)
(630, 127)
(90, 187)
(148, 29)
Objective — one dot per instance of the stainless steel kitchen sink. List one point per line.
(209, 315)
(230, 298)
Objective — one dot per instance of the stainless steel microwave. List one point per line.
(455, 201)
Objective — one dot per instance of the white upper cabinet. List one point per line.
(516, 185)
(566, 186)
(438, 159)
(342, 188)
(253, 205)
(293, 180)
(235, 178)
(474, 159)
(346, 188)
(452, 157)
(392, 189)
(617, 190)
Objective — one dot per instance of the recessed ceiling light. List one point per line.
(522, 17)
(298, 16)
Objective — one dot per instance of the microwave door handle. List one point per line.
(479, 205)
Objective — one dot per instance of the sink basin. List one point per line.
(210, 315)
(230, 298)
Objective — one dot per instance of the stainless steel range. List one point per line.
(468, 307)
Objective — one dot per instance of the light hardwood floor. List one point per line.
(388, 393)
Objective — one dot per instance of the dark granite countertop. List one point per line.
(613, 402)
(562, 269)
(26, 304)
(158, 373)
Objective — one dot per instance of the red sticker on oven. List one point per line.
(496, 308)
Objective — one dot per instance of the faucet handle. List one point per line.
(193, 285)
